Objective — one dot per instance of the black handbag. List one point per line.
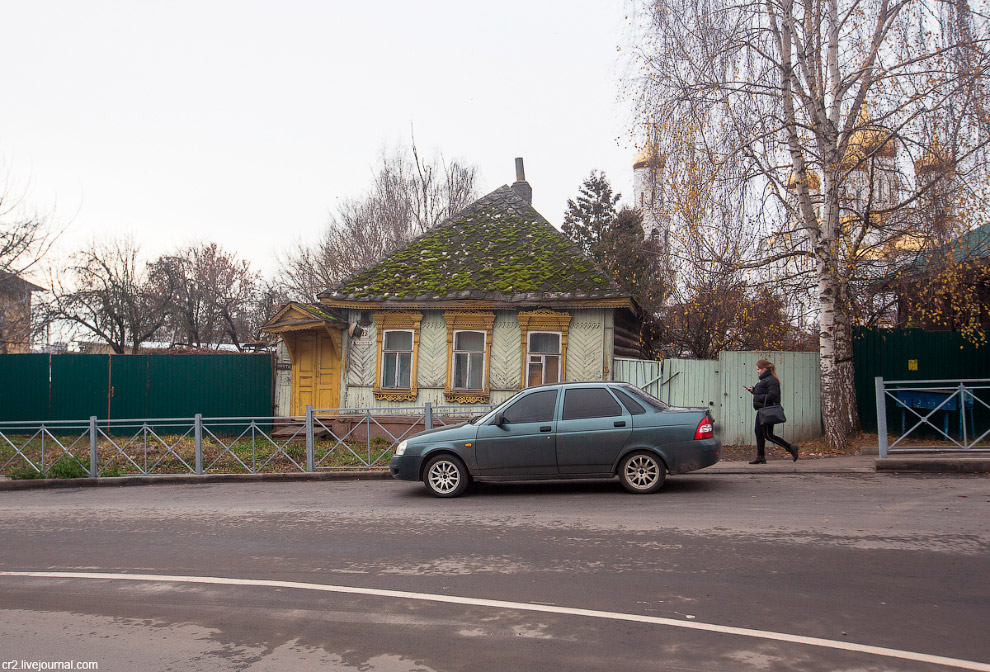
(771, 415)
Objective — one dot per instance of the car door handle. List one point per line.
(546, 428)
(619, 423)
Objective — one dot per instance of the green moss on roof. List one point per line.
(316, 311)
(498, 248)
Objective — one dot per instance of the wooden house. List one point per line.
(492, 300)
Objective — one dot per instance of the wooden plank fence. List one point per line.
(718, 384)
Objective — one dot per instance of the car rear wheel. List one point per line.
(445, 476)
(642, 473)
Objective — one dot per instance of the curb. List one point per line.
(751, 471)
(190, 479)
(942, 465)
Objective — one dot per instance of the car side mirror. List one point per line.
(498, 420)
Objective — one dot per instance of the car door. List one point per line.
(523, 445)
(593, 428)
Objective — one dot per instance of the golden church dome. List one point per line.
(648, 158)
(934, 159)
(868, 140)
(814, 182)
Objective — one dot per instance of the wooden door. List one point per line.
(303, 351)
(327, 390)
(315, 371)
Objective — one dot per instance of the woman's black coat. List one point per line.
(767, 391)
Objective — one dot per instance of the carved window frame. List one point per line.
(543, 320)
(468, 321)
(544, 355)
(397, 321)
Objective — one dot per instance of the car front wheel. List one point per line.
(642, 473)
(445, 476)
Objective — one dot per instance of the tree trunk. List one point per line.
(839, 412)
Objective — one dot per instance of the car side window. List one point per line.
(592, 402)
(536, 407)
(631, 404)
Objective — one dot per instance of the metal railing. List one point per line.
(923, 399)
(323, 439)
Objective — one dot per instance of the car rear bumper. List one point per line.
(694, 455)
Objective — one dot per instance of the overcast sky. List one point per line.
(244, 122)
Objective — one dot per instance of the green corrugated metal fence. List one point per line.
(75, 387)
(24, 386)
(912, 354)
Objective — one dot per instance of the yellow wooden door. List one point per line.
(327, 391)
(304, 367)
(315, 371)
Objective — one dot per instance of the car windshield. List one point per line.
(646, 398)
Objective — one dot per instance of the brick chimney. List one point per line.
(521, 186)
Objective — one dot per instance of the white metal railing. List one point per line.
(923, 400)
(199, 445)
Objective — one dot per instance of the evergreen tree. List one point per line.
(617, 243)
(588, 219)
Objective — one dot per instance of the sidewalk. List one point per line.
(942, 463)
(846, 464)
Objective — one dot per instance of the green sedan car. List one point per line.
(567, 430)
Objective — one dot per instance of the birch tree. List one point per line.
(812, 113)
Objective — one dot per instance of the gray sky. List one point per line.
(244, 122)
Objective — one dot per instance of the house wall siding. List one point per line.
(432, 358)
(589, 349)
(360, 356)
(506, 366)
(588, 335)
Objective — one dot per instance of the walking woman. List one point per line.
(767, 393)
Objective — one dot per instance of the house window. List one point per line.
(544, 346)
(469, 349)
(397, 350)
(398, 343)
(468, 360)
(543, 358)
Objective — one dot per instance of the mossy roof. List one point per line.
(497, 249)
(316, 311)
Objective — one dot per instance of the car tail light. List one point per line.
(705, 429)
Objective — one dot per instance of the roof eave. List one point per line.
(440, 304)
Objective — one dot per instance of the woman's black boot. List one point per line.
(759, 460)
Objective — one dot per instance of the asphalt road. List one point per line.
(717, 572)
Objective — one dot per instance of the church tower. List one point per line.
(646, 193)
(934, 174)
